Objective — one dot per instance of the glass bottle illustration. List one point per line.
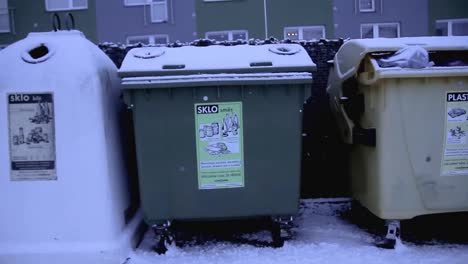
(235, 124)
(225, 129)
(21, 136)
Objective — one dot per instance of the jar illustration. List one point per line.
(208, 131)
(215, 127)
(202, 133)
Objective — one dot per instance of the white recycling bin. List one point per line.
(63, 182)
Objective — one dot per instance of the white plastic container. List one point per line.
(63, 183)
(407, 125)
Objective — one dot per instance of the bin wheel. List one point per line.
(278, 240)
(162, 244)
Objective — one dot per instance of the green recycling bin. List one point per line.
(218, 129)
(402, 104)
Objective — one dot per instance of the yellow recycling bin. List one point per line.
(407, 123)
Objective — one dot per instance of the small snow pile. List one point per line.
(413, 57)
(322, 235)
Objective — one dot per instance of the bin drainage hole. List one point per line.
(428, 159)
(39, 52)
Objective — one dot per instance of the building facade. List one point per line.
(380, 18)
(260, 19)
(448, 18)
(145, 21)
(166, 21)
(19, 17)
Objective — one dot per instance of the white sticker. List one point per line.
(32, 136)
(455, 158)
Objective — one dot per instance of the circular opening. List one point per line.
(284, 50)
(148, 53)
(38, 53)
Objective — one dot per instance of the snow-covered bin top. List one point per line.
(66, 54)
(157, 61)
(350, 55)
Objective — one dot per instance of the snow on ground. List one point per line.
(322, 235)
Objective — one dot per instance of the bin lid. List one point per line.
(350, 55)
(186, 60)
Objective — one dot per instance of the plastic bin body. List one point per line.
(77, 214)
(403, 175)
(165, 132)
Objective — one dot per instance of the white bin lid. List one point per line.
(157, 61)
(352, 52)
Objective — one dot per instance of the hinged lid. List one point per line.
(157, 61)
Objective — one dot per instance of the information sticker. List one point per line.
(32, 136)
(455, 152)
(219, 136)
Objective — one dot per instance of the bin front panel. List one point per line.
(167, 158)
(412, 171)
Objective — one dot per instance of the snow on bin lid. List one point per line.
(350, 55)
(216, 59)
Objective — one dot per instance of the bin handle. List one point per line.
(56, 24)
(364, 78)
(70, 21)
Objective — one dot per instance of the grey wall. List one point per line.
(412, 15)
(115, 21)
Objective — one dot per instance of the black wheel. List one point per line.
(278, 241)
(161, 246)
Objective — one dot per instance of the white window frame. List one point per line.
(152, 5)
(375, 28)
(166, 12)
(143, 2)
(301, 31)
(70, 6)
(151, 38)
(230, 34)
(366, 10)
(450, 24)
(6, 12)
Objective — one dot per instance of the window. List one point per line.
(148, 39)
(135, 2)
(4, 17)
(228, 35)
(452, 27)
(158, 8)
(57, 5)
(383, 30)
(158, 11)
(304, 33)
(366, 5)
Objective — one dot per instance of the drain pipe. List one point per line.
(266, 18)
